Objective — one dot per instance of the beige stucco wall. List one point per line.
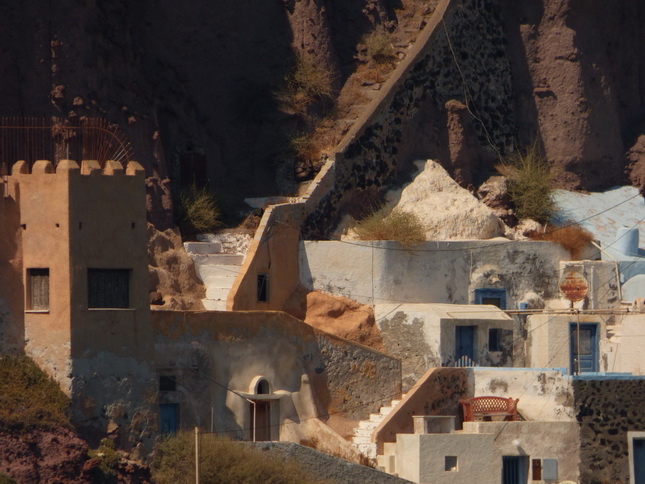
(545, 395)
(12, 328)
(548, 342)
(421, 458)
(434, 272)
(43, 200)
(274, 251)
(423, 335)
(624, 349)
(72, 218)
(480, 447)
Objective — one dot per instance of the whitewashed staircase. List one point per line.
(362, 438)
(216, 270)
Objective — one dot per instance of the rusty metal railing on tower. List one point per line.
(55, 139)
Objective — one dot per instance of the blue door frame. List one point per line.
(491, 296)
(588, 351)
(638, 449)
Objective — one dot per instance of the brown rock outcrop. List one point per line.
(173, 282)
(336, 315)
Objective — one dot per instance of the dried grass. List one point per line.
(403, 227)
(529, 181)
(222, 461)
(379, 47)
(573, 238)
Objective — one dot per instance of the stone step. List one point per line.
(385, 410)
(221, 280)
(376, 417)
(203, 247)
(367, 449)
(217, 293)
(361, 440)
(206, 272)
(214, 305)
(218, 259)
(363, 433)
(366, 424)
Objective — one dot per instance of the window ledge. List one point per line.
(37, 311)
(112, 309)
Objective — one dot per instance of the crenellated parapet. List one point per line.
(69, 167)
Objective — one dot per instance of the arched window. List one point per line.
(262, 387)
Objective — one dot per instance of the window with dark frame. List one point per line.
(167, 383)
(494, 339)
(263, 287)
(450, 463)
(108, 288)
(38, 286)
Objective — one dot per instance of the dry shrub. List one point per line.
(571, 237)
(198, 210)
(379, 48)
(529, 181)
(310, 81)
(305, 147)
(30, 399)
(222, 461)
(403, 227)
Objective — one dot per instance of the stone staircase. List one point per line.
(362, 438)
(216, 270)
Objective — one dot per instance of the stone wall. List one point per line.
(360, 380)
(216, 357)
(461, 55)
(606, 410)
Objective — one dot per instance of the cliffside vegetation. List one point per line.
(30, 399)
(222, 461)
(530, 182)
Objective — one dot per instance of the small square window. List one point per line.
(263, 287)
(38, 287)
(494, 339)
(167, 383)
(451, 463)
(108, 288)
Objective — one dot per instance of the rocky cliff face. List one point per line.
(579, 82)
(198, 79)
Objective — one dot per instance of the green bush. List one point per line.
(529, 180)
(379, 48)
(110, 459)
(198, 210)
(29, 399)
(404, 227)
(222, 461)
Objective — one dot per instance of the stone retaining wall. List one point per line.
(606, 410)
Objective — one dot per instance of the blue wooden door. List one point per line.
(584, 350)
(514, 469)
(465, 342)
(638, 448)
(169, 416)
